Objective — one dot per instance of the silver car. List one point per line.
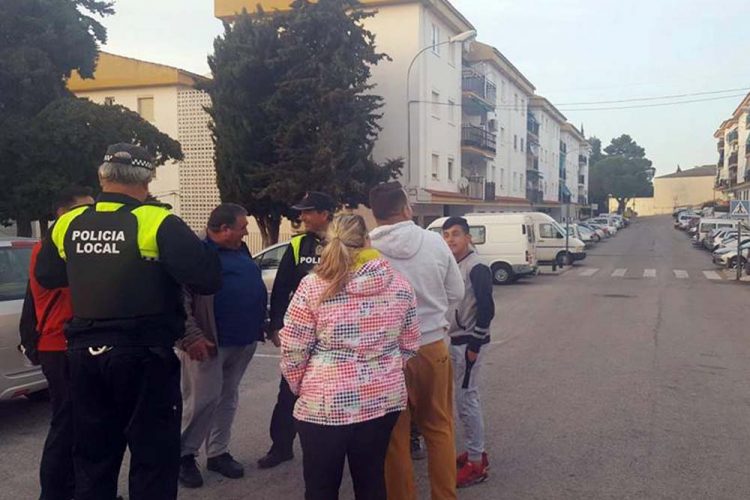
(268, 260)
(18, 377)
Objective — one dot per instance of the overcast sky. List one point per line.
(573, 51)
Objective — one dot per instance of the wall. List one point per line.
(674, 192)
(549, 153)
(166, 185)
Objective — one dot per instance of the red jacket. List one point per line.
(53, 309)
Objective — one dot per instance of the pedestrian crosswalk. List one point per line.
(651, 274)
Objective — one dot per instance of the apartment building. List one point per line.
(166, 97)
(574, 161)
(457, 112)
(733, 136)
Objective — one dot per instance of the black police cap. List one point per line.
(315, 200)
(129, 154)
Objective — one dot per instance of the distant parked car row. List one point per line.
(717, 233)
(513, 244)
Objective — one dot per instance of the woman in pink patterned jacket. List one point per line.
(347, 335)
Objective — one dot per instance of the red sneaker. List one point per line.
(463, 458)
(471, 474)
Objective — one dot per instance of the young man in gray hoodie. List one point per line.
(425, 260)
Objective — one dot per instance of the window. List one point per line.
(452, 53)
(146, 108)
(271, 258)
(502, 136)
(478, 234)
(450, 168)
(436, 104)
(109, 101)
(502, 178)
(502, 91)
(515, 178)
(547, 231)
(435, 166)
(515, 142)
(14, 272)
(435, 39)
(521, 143)
(523, 105)
(515, 102)
(520, 184)
(451, 111)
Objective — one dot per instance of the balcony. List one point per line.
(582, 161)
(733, 160)
(582, 200)
(480, 139)
(477, 188)
(732, 179)
(478, 90)
(733, 136)
(563, 148)
(563, 173)
(534, 195)
(581, 180)
(721, 183)
(532, 127)
(720, 145)
(489, 191)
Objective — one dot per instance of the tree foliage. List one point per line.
(293, 109)
(622, 171)
(64, 145)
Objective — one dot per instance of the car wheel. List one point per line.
(733, 262)
(597, 238)
(502, 274)
(564, 259)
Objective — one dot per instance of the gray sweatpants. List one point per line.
(209, 398)
(468, 404)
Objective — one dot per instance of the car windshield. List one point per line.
(14, 272)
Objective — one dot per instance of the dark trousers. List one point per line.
(56, 470)
(128, 396)
(364, 445)
(283, 425)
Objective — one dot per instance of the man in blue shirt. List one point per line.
(232, 321)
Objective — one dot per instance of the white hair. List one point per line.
(125, 174)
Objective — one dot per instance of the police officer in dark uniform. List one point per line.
(316, 211)
(125, 262)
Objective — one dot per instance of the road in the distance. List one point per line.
(624, 377)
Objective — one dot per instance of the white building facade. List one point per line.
(733, 168)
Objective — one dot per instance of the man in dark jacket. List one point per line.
(316, 211)
(232, 320)
(45, 312)
(125, 262)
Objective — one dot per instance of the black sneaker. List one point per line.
(272, 459)
(225, 465)
(190, 476)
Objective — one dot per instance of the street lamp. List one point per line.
(460, 38)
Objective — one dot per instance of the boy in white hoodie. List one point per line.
(424, 259)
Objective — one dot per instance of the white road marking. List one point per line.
(619, 273)
(679, 274)
(589, 272)
(712, 275)
(649, 273)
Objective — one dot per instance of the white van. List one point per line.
(708, 225)
(505, 242)
(550, 243)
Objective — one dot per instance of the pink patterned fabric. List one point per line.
(344, 358)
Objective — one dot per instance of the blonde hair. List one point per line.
(347, 236)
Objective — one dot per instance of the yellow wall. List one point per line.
(673, 192)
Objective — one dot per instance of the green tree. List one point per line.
(63, 145)
(622, 172)
(293, 109)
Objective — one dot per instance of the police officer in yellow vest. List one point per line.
(125, 262)
(316, 211)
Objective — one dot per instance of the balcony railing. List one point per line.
(489, 191)
(563, 173)
(582, 160)
(476, 188)
(582, 200)
(563, 148)
(581, 180)
(733, 136)
(478, 137)
(534, 195)
(479, 85)
(720, 145)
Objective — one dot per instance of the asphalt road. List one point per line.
(625, 376)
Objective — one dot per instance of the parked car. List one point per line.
(506, 242)
(727, 257)
(18, 377)
(268, 260)
(598, 233)
(708, 225)
(584, 234)
(606, 222)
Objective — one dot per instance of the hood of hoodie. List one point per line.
(398, 241)
(370, 279)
